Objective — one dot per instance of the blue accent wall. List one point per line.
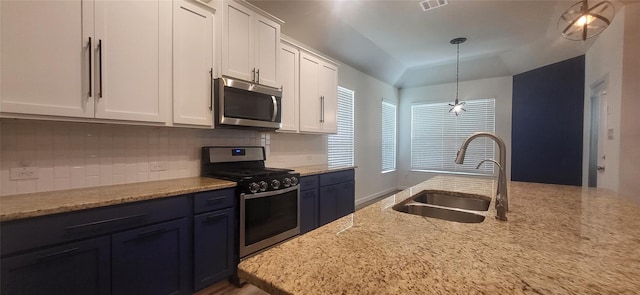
(547, 123)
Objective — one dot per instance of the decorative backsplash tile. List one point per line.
(74, 155)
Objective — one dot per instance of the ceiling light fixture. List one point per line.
(457, 107)
(581, 22)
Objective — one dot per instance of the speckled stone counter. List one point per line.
(39, 204)
(319, 169)
(558, 240)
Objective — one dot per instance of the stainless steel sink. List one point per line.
(453, 200)
(441, 213)
(452, 206)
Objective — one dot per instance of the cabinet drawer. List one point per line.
(336, 177)
(213, 200)
(308, 182)
(36, 232)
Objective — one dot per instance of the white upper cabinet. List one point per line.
(289, 77)
(251, 44)
(102, 59)
(318, 94)
(46, 57)
(134, 59)
(193, 56)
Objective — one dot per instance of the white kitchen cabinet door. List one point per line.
(318, 94)
(134, 59)
(289, 73)
(310, 100)
(267, 51)
(46, 57)
(328, 80)
(193, 54)
(237, 42)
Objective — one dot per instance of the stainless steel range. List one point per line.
(268, 197)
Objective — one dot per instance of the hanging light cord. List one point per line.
(457, 72)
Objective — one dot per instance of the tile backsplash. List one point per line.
(70, 155)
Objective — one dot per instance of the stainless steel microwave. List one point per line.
(243, 104)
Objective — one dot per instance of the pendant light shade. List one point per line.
(581, 22)
(457, 107)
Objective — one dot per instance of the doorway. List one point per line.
(598, 127)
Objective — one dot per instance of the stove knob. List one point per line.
(275, 184)
(263, 186)
(254, 187)
(294, 180)
(286, 182)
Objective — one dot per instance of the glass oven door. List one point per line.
(268, 218)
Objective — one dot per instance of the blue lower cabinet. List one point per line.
(151, 260)
(308, 210)
(345, 200)
(74, 268)
(213, 247)
(328, 204)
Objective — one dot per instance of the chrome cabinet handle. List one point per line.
(212, 86)
(275, 108)
(258, 76)
(321, 109)
(100, 67)
(90, 45)
(105, 221)
(253, 75)
(58, 254)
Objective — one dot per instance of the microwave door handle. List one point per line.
(275, 108)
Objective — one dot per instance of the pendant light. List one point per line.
(457, 107)
(581, 22)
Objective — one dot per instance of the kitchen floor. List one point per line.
(226, 288)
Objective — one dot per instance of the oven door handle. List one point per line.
(269, 193)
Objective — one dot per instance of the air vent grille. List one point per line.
(432, 4)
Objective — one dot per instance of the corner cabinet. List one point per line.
(250, 44)
(88, 59)
(193, 66)
(318, 94)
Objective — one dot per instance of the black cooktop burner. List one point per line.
(244, 173)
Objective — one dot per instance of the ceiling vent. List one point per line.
(432, 4)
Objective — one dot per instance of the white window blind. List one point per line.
(388, 137)
(436, 136)
(341, 143)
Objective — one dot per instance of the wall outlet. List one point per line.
(21, 173)
(157, 166)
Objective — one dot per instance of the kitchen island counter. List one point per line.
(558, 240)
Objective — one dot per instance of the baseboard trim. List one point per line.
(368, 198)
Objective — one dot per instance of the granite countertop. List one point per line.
(558, 240)
(39, 204)
(319, 169)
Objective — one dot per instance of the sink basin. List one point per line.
(453, 200)
(440, 213)
(452, 206)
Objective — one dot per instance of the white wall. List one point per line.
(500, 88)
(603, 61)
(630, 121)
(369, 92)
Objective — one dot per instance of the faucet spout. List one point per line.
(502, 163)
